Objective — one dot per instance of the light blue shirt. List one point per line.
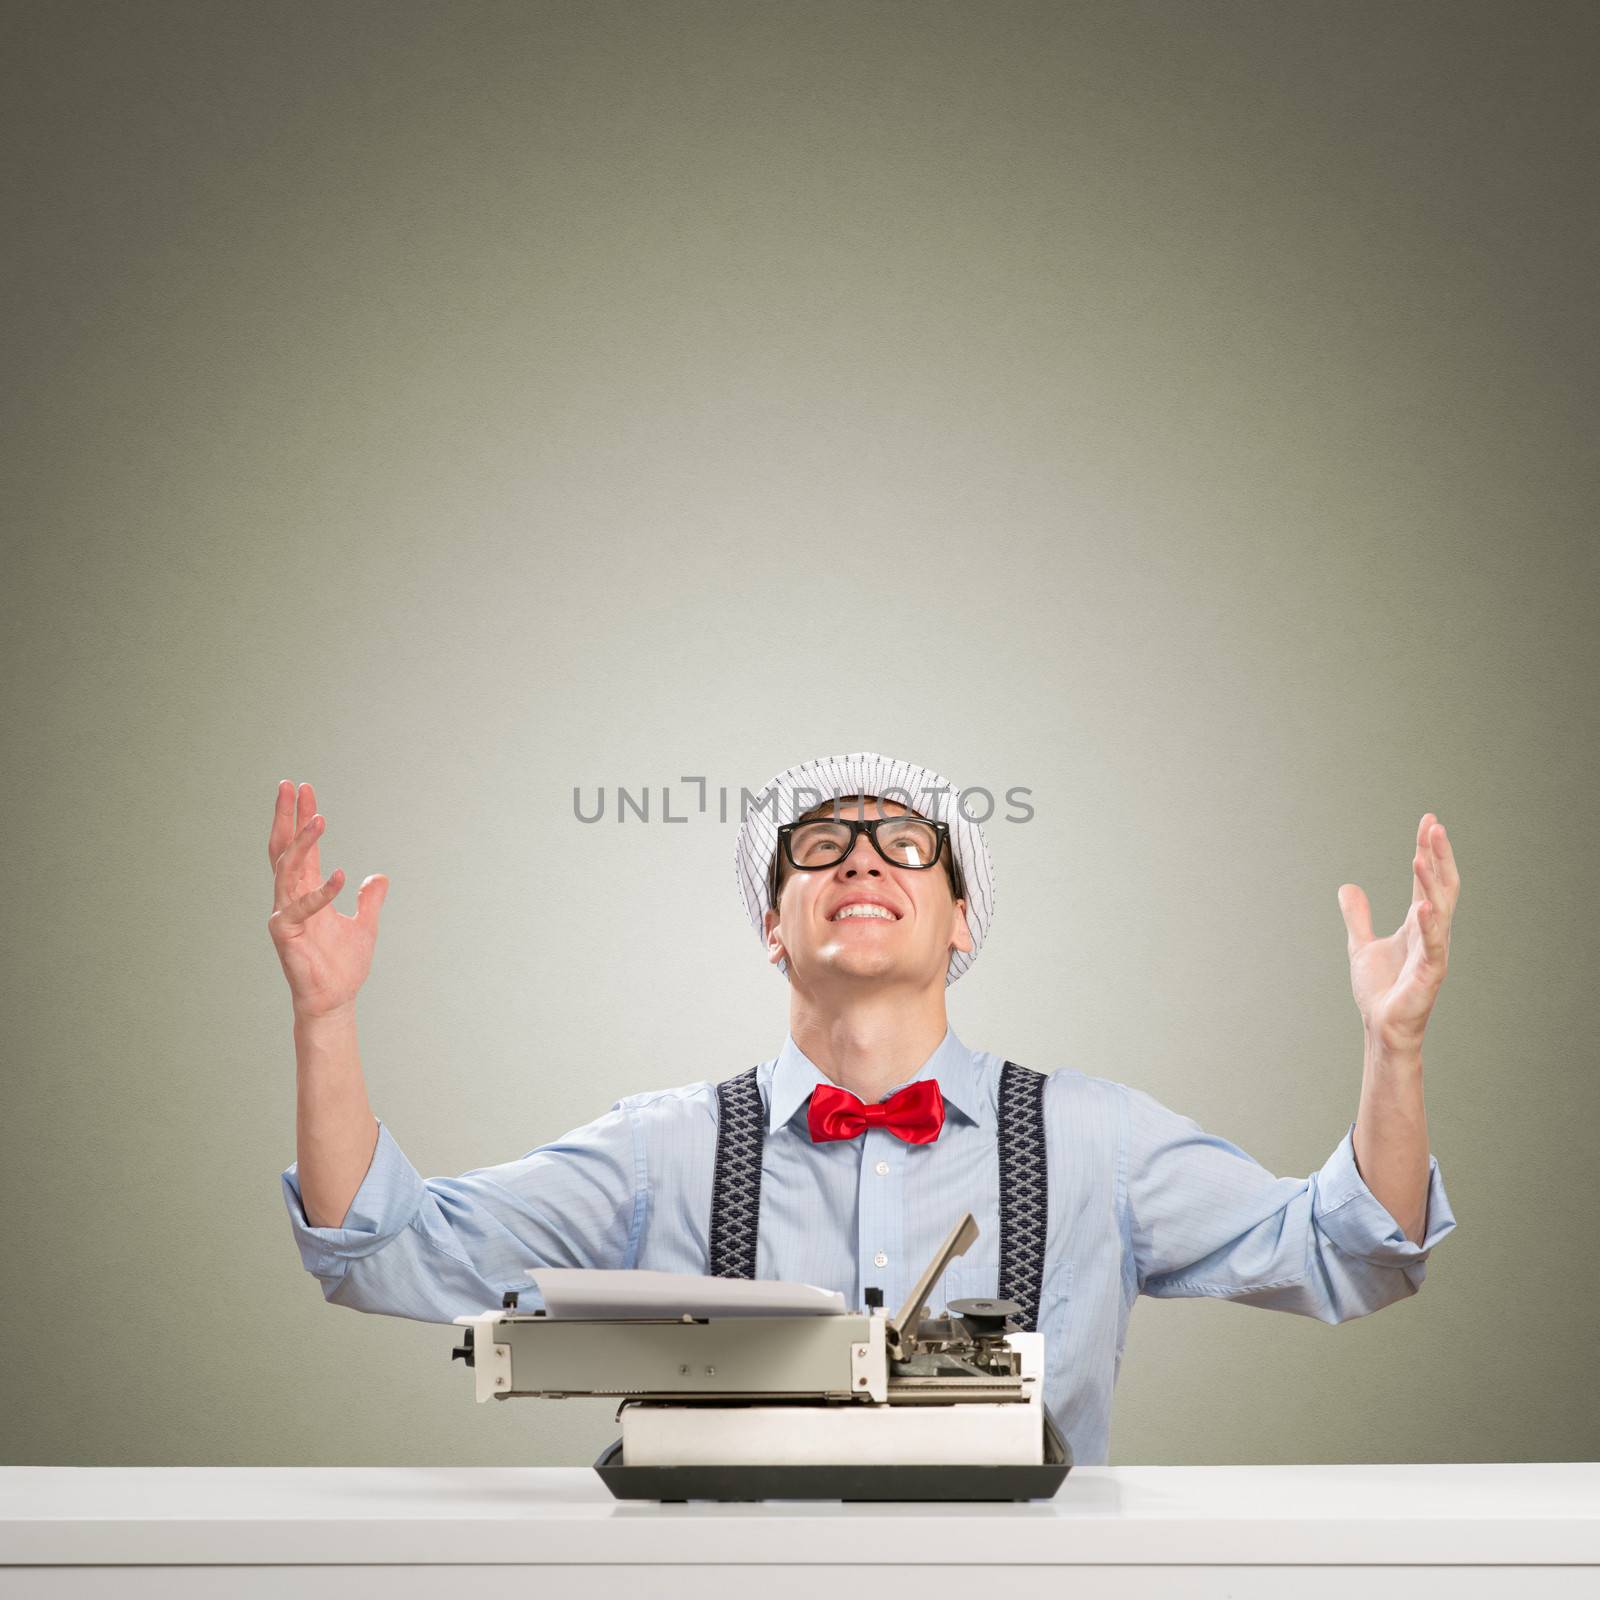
(1142, 1201)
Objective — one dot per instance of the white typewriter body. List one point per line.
(703, 1389)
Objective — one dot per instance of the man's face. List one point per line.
(913, 948)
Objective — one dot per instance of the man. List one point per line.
(844, 1160)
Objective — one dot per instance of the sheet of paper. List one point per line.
(603, 1293)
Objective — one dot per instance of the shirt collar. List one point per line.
(795, 1075)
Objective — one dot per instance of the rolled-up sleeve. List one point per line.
(1204, 1218)
(438, 1248)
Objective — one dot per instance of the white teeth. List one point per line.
(861, 909)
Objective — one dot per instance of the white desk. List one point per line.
(1527, 1530)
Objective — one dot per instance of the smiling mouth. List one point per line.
(865, 916)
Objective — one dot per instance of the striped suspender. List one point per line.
(1024, 1189)
(1024, 1183)
(736, 1182)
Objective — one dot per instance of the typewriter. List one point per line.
(737, 1390)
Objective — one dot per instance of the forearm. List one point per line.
(335, 1130)
(1391, 1136)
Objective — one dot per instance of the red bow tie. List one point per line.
(915, 1114)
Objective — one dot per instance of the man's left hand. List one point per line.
(1396, 980)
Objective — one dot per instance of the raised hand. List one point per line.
(325, 956)
(1396, 980)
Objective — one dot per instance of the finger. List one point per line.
(282, 823)
(297, 863)
(1421, 874)
(1441, 891)
(307, 905)
(1433, 932)
(306, 812)
(1357, 916)
(1446, 858)
(304, 840)
(1424, 849)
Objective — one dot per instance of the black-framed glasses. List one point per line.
(912, 842)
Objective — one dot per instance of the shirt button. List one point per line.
(880, 1260)
(882, 1169)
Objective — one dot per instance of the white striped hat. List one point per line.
(813, 783)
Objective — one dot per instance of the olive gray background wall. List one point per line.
(1185, 411)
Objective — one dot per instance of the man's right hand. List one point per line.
(325, 956)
